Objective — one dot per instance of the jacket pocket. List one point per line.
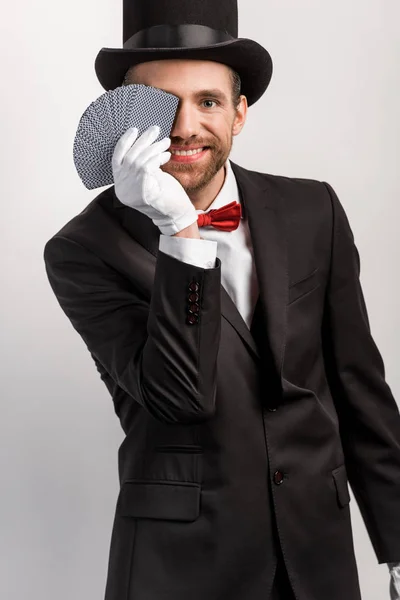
(144, 499)
(342, 489)
(301, 287)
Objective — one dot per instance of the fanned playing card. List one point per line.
(108, 117)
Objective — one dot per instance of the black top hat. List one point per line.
(191, 29)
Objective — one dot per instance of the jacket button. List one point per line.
(192, 319)
(194, 308)
(193, 286)
(278, 477)
(193, 297)
(272, 408)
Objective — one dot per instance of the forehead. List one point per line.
(183, 76)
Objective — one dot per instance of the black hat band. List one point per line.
(176, 36)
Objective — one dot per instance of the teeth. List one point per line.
(186, 153)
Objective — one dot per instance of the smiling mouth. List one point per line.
(189, 152)
(189, 159)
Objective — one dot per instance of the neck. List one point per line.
(206, 196)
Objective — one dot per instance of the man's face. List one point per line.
(205, 116)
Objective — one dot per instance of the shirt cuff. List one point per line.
(201, 253)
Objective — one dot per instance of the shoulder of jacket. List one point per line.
(283, 182)
(87, 216)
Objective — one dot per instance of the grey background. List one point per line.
(331, 113)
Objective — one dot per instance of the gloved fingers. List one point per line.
(394, 586)
(153, 151)
(157, 161)
(122, 146)
(392, 591)
(164, 158)
(142, 143)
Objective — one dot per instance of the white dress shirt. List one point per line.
(233, 248)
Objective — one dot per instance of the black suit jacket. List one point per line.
(202, 462)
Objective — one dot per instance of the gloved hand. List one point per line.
(394, 569)
(141, 184)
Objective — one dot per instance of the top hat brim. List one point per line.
(249, 59)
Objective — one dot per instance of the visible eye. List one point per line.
(209, 100)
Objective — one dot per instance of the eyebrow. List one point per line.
(215, 93)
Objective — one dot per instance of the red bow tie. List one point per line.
(226, 218)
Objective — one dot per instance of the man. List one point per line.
(247, 406)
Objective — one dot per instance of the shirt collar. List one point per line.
(228, 193)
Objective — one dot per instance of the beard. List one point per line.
(195, 177)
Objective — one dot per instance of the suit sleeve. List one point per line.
(150, 349)
(191, 250)
(368, 414)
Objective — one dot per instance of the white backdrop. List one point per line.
(331, 113)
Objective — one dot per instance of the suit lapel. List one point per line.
(263, 206)
(264, 209)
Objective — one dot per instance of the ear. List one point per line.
(240, 115)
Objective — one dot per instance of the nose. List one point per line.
(186, 123)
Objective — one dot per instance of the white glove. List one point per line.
(141, 184)
(394, 569)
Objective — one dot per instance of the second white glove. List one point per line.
(141, 184)
(394, 569)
